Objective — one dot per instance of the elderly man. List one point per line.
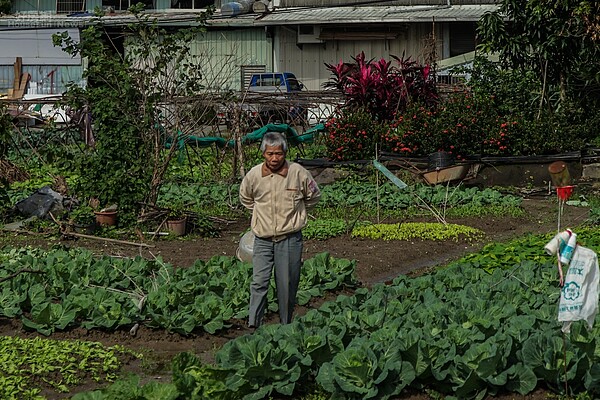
(278, 193)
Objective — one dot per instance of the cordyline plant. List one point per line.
(381, 88)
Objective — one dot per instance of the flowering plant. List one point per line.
(461, 125)
(353, 135)
(412, 133)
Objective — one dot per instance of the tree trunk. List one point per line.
(238, 158)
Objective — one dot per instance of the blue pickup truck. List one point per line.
(274, 82)
(270, 97)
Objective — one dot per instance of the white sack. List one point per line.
(579, 295)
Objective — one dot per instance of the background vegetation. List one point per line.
(541, 97)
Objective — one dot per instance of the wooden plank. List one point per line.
(18, 68)
(18, 94)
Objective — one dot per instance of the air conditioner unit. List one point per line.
(309, 34)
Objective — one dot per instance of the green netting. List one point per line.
(292, 136)
(200, 141)
(253, 137)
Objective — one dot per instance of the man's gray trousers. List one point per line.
(284, 255)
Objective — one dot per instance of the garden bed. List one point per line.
(377, 261)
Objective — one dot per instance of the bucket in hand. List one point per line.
(246, 247)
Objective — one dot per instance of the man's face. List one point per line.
(274, 157)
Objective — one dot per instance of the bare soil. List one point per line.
(377, 262)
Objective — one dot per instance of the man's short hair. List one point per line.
(274, 139)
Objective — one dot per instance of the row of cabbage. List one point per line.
(63, 288)
(352, 191)
(462, 331)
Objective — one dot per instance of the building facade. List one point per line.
(248, 36)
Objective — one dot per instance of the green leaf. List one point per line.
(159, 391)
(521, 379)
(351, 371)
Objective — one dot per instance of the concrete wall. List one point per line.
(522, 175)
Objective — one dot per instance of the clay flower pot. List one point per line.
(177, 226)
(106, 218)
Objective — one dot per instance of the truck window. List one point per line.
(269, 80)
(294, 85)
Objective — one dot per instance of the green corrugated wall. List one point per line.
(224, 52)
(35, 5)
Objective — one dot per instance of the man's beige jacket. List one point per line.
(279, 201)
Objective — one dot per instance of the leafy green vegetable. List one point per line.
(75, 288)
(416, 230)
(461, 331)
(59, 364)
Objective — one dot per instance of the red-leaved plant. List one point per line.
(381, 88)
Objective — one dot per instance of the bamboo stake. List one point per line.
(565, 362)
(377, 187)
(107, 239)
(67, 233)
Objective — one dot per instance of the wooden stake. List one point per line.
(65, 231)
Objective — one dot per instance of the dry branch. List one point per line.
(11, 173)
(28, 270)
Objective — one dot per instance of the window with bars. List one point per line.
(191, 4)
(123, 5)
(69, 6)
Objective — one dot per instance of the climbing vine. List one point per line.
(134, 91)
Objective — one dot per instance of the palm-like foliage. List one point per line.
(382, 88)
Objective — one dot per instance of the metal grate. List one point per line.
(451, 79)
(69, 6)
(116, 5)
(248, 71)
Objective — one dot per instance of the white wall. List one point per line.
(35, 47)
(307, 61)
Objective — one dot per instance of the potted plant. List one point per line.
(176, 222)
(82, 219)
(106, 216)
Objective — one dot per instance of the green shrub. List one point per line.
(412, 132)
(462, 125)
(353, 136)
(5, 6)
(5, 135)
